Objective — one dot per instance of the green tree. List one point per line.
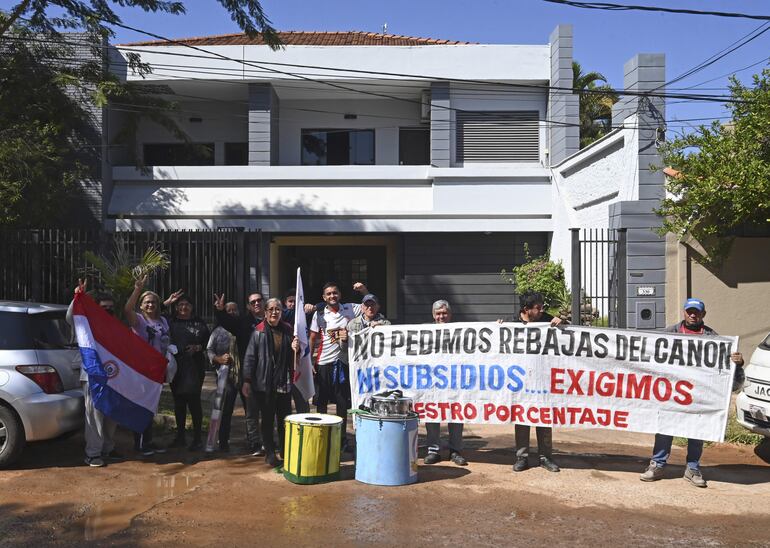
(595, 104)
(720, 183)
(48, 93)
(542, 275)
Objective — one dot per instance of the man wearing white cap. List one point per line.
(692, 324)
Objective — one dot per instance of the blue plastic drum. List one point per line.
(386, 450)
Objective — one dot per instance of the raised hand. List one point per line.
(174, 297)
(139, 283)
(219, 301)
(82, 285)
(359, 287)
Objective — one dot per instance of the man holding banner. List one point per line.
(532, 310)
(692, 324)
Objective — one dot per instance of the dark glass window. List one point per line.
(414, 146)
(20, 331)
(236, 154)
(179, 154)
(337, 147)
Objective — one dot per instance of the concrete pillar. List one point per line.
(263, 125)
(440, 125)
(563, 105)
(646, 255)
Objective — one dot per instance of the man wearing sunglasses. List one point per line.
(243, 326)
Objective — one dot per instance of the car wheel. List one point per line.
(12, 437)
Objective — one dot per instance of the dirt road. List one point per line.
(187, 498)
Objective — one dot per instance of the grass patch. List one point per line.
(166, 408)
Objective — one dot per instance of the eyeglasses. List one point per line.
(274, 310)
(255, 301)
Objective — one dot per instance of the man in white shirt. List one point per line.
(328, 330)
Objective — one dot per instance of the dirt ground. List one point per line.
(179, 497)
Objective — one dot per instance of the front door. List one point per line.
(343, 264)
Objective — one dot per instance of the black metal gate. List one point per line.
(599, 276)
(43, 265)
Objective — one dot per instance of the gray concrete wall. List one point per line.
(646, 253)
(563, 105)
(263, 123)
(463, 268)
(440, 125)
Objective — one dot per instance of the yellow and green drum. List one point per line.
(312, 448)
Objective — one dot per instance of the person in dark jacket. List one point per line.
(692, 324)
(242, 326)
(268, 369)
(531, 309)
(190, 335)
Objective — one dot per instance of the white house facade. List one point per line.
(421, 166)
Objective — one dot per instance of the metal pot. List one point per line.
(391, 406)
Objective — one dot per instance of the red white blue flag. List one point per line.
(125, 374)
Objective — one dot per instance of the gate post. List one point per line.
(622, 277)
(575, 283)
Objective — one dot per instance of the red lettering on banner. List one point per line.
(604, 388)
(545, 415)
(517, 413)
(559, 415)
(638, 389)
(587, 417)
(532, 414)
(572, 412)
(503, 413)
(656, 390)
(489, 410)
(621, 418)
(574, 377)
(443, 407)
(430, 411)
(419, 408)
(683, 389)
(557, 379)
(469, 411)
(603, 416)
(457, 411)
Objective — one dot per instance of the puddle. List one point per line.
(110, 517)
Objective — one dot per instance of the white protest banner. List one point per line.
(544, 376)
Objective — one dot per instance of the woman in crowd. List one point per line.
(190, 335)
(151, 326)
(268, 368)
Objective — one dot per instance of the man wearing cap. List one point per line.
(370, 315)
(692, 324)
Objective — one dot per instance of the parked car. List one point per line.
(40, 394)
(753, 402)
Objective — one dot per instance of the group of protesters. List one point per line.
(259, 350)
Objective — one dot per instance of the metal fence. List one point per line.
(43, 265)
(599, 276)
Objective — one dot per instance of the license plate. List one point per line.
(757, 412)
(762, 391)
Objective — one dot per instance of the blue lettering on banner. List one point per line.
(424, 377)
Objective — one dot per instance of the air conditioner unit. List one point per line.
(425, 106)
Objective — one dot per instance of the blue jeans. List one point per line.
(662, 450)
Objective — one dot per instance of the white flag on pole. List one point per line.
(303, 370)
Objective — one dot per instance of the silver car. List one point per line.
(40, 393)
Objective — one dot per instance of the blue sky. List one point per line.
(603, 40)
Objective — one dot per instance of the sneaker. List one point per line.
(147, 450)
(273, 461)
(258, 451)
(694, 476)
(458, 459)
(196, 445)
(549, 465)
(432, 458)
(521, 464)
(653, 473)
(95, 462)
(113, 455)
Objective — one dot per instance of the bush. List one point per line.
(542, 275)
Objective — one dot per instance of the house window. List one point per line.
(236, 154)
(179, 154)
(495, 136)
(337, 147)
(414, 146)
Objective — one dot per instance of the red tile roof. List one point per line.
(301, 38)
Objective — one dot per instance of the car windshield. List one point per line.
(766, 343)
(48, 331)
